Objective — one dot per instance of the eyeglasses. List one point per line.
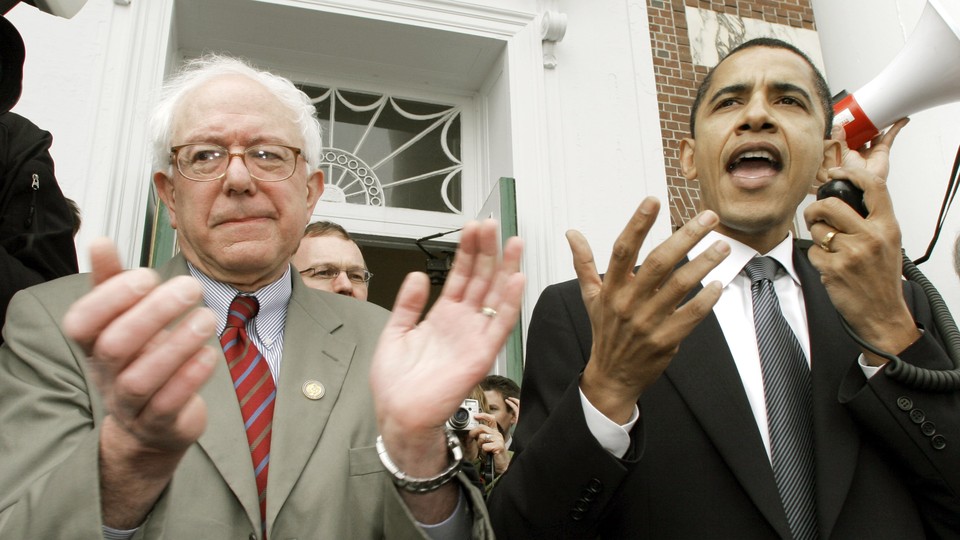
(326, 272)
(205, 162)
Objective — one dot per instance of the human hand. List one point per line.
(635, 319)
(147, 374)
(490, 440)
(876, 157)
(514, 405)
(860, 263)
(441, 359)
(148, 366)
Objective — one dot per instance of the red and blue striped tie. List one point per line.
(255, 389)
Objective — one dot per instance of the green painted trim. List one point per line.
(508, 228)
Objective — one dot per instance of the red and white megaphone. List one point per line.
(925, 74)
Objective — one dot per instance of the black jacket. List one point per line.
(36, 225)
(888, 455)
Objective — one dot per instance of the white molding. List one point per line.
(135, 57)
(537, 181)
(451, 15)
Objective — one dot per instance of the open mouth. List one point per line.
(755, 163)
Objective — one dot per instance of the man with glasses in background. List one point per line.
(329, 260)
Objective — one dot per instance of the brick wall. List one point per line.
(677, 77)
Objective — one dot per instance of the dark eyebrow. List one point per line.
(780, 87)
(730, 89)
(785, 88)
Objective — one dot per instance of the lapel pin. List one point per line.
(313, 389)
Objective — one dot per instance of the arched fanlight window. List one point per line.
(381, 150)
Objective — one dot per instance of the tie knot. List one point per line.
(761, 268)
(242, 309)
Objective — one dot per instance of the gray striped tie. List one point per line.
(787, 389)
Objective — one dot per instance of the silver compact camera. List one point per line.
(463, 419)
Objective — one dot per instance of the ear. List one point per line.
(168, 195)
(314, 190)
(832, 157)
(688, 165)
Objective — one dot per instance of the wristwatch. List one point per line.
(423, 485)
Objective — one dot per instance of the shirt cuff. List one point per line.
(868, 370)
(110, 533)
(458, 525)
(613, 437)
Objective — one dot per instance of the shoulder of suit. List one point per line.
(343, 304)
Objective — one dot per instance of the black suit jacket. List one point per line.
(697, 466)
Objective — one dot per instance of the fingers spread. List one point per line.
(411, 299)
(627, 246)
(691, 313)
(688, 276)
(584, 264)
(659, 265)
(485, 263)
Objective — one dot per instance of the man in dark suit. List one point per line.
(122, 418)
(645, 408)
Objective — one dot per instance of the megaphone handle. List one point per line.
(846, 192)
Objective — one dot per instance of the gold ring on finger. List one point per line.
(827, 239)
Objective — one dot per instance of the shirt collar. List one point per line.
(740, 255)
(273, 299)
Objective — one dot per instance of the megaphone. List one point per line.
(925, 73)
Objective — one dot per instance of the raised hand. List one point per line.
(860, 261)
(514, 405)
(148, 376)
(635, 319)
(874, 158)
(422, 372)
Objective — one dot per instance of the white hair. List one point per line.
(194, 73)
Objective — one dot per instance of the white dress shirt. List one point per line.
(734, 311)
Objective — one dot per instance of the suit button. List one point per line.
(576, 516)
(904, 403)
(595, 485)
(917, 416)
(928, 428)
(939, 442)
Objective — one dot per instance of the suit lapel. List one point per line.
(704, 373)
(310, 353)
(835, 435)
(224, 441)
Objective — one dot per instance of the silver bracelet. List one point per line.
(423, 485)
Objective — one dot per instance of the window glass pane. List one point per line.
(386, 151)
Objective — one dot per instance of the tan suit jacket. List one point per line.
(325, 481)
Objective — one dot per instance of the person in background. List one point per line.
(76, 214)
(36, 225)
(484, 448)
(712, 392)
(220, 397)
(503, 402)
(328, 259)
